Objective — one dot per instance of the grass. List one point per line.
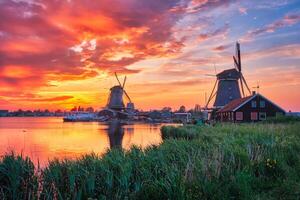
(17, 178)
(247, 161)
(283, 119)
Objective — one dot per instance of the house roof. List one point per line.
(234, 104)
(237, 103)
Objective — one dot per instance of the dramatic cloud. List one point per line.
(75, 38)
(65, 51)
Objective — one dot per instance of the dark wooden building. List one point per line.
(249, 109)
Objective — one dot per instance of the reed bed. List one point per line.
(248, 161)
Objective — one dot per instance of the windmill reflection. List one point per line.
(115, 134)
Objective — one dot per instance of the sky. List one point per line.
(57, 54)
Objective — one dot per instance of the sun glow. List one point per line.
(66, 52)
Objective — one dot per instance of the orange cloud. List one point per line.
(55, 50)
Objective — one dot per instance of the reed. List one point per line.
(248, 161)
(17, 178)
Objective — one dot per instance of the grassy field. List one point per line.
(229, 161)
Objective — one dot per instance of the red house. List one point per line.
(249, 109)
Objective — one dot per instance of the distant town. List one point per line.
(165, 114)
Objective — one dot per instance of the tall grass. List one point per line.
(260, 161)
(17, 178)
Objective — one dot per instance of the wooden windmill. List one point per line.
(115, 100)
(230, 83)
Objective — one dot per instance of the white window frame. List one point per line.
(260, 117)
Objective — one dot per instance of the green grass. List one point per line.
(282, 119)
(247, 161)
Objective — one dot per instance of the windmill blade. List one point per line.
(240, 62)
(211, 94)
(238, 52)
(124, 82)
(236, 63)
(246, 84)
(211, 99)
(210, 75)
(215, 69)
(242, 87)
(118, 79)
(127, 95)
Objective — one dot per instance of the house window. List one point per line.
(262, 116)
(262, 104)
(254, 116)
(239, 116)
(253, 104)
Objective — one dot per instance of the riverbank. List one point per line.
(248, 161)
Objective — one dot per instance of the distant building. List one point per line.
(249, 109)
(3, 113)
(183, 117)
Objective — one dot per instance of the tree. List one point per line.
(182, 109)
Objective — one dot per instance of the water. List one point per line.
(45, 138)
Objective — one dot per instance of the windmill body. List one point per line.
(228, 87)
(115, 100)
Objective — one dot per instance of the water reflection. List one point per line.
(43, 139)
(115, 133)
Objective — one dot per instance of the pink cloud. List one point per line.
(243, 10)
(288, 20)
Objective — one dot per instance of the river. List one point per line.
(45, 138)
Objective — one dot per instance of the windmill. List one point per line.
(229, 83)
(115, 100)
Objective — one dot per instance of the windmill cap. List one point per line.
(229, 73)
(116, 87)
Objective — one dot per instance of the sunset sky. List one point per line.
(57, 54)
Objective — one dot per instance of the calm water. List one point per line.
(45, 138)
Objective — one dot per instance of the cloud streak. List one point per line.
(287, 20)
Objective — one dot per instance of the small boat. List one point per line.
(85, 117)
(79, 117)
